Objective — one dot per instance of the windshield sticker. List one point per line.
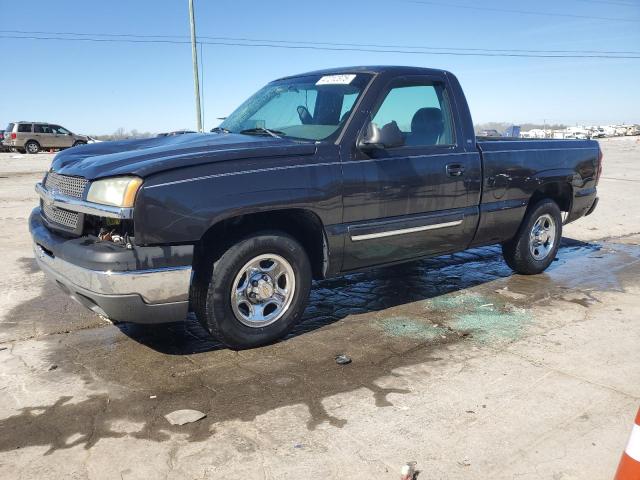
(336, 79)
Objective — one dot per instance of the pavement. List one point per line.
(458, 364)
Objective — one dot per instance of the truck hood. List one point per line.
(147, 156)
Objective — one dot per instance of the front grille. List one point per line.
(66, 185)
(60, 216)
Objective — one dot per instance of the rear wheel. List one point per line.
(32, 146)
(255, 292)
(536, 244)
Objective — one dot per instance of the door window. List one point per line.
(59, 130)
(41, 128)
(421, 111)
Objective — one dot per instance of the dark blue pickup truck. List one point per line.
(314, 176)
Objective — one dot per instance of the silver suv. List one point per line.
(31, 137)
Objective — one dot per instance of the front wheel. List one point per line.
(255, 292)
(536, 244)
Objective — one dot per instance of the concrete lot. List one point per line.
(458, 364)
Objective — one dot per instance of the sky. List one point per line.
(96, 87)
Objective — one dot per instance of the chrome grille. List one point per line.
(60, 216)
(66, 185)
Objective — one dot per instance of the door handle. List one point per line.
(455, 170)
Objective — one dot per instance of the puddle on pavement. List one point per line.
(391, 318)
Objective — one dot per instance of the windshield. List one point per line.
(309, 108)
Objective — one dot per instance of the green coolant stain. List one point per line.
(406, 327)
(492, 325)
(487, 319)
(464, 301)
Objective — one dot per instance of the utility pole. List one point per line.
(194, 56)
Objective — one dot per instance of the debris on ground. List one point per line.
(182, 417)
(465, 463)
(343, 359)
(408, 471)
(3, 348)
(153, 396)
(508, 293)
(53, 367)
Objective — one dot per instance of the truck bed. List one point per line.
(513, 169)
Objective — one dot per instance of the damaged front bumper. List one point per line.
(139, 285)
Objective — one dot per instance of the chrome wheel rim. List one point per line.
(33, 148)
(262, 291)
(542, 237)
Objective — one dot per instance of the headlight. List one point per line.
(118, 191)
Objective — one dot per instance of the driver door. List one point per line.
(411, 200)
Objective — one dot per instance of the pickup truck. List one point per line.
(314, 176)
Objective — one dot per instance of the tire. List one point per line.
(253, 317)
(32, 147)
(528, 254)
(79, 142)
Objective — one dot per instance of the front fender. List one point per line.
(182, 211)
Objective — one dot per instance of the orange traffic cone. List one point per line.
(629, 468)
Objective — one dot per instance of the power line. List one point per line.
(414, 52)
(92, 34)
(420, 47)
(611, 2)
(522, 12)
(312, 47)
(327, 48)
(316, 43)
(89, 39)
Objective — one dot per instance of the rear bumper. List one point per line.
(145, 295)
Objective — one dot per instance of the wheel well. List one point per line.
(303, 225)
(559, 192)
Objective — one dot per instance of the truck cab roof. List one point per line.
(373, 69)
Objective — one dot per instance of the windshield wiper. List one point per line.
(220, 130)
(262, 131)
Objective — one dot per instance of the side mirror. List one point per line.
(376, 138)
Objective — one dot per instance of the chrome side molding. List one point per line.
(403, 231)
